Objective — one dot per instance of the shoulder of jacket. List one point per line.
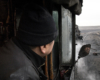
(25, 73)
(12, 59)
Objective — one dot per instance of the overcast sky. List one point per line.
(90, 13)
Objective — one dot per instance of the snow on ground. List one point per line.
(88, 68)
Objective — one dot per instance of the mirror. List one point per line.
(84, 51)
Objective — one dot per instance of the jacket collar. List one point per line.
(37, 60)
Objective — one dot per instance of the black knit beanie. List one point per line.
(37, 26)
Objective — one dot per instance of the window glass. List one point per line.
(66, 36)
(55, 48)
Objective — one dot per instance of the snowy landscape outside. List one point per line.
(88, 68)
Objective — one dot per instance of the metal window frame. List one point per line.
(73, 41)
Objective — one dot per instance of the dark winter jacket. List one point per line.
(18, 62)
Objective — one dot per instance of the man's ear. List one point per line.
(43, 49)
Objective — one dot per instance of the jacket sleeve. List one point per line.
(25, 73)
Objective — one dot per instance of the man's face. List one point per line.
(87, 50)
(46, 49)
(50, 47)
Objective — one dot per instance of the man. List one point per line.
(22, 57)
